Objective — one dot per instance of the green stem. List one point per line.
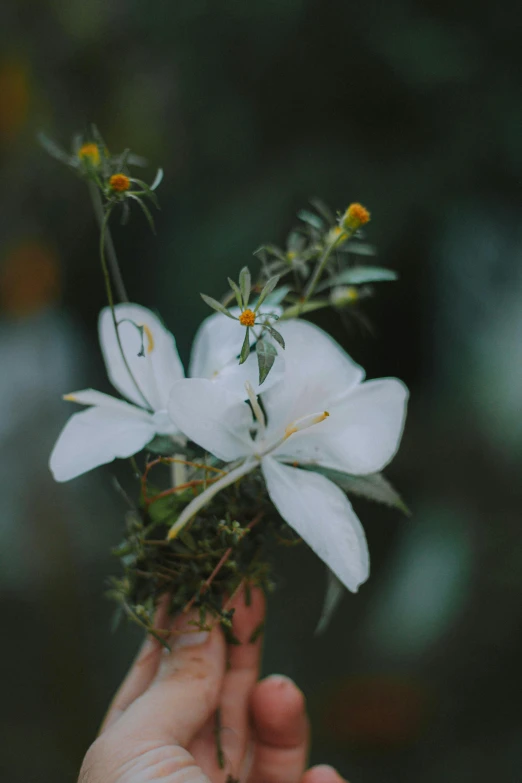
(109, 244)
(110, 298)
(319, 269)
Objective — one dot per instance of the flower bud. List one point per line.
(89, 153)
(119, 182)
(355, 216)
(343, 295)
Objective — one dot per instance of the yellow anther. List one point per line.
(247, 318)
(119, 182)
(69, 397)
(150, 338)
(90, 152)
(355, 216)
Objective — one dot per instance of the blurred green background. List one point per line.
(414, 109)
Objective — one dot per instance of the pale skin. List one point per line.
(160, 726)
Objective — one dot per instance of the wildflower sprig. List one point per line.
(252, 317)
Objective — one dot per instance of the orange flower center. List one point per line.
(356, 215)
(90, 152)
(247, 318)
(119, 182)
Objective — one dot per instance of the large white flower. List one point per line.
(319, 413)
(112, 428)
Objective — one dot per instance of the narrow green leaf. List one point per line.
(266, 354)
(276, 335)
(313, 220)
(273, 250)
(268, 288)
(276, 297)
(237, 292)
(150, 219)
(215, 305)
(356, 275)
(157, 179)
(307, 307)
(323, 209)
(245, 284)
(334, 592)
(245, 348)
(53, 149)
(373, 486)
(359, 248)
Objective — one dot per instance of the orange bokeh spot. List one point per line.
(14, 99)
(29, 278)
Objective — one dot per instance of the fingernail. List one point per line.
(281, 679)
(186, 633)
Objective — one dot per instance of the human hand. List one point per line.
(161, 725)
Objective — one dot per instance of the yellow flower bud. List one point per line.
(119, 182)
(355, 216)
(90, 153)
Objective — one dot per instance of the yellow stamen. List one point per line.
(69, 397)
(150, 338)
(305, 422)
(119, 182)
(247, 318)
(91, 153)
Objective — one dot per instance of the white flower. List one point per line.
(112, 428)
(320, 413)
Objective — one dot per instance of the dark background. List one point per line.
(414, 109)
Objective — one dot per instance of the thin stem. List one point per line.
(110, 298)
(109, 244)
(319, 269)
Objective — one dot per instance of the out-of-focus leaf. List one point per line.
(373, 486)
(266, 354)
(276, 297)
(358, 248)
(323, 209)
(245, 348)
(215, 305)
(237, 292)
(356, 275)
(53, 149)
(313, 220)
(157, 179)
(334, 593)
(268, 288)
(245, 284)
(307, 307)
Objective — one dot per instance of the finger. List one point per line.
(240, 679)
(140, 674)
(185, 690)
(281, 732)
(322, 774)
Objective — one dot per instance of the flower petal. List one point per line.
(97, 436)
(361, 434)
(212, 417)
(234, 376)
(317, 371)
(93, 397)
(156, 371)
(322, 515)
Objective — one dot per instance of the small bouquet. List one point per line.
(261, 441)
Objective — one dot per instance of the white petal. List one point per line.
(234, 376)
(361, 434)
(156, 371)
(97, 436)
(212, 417)
(317, 371)
(218, 342)
(322, 515)
(93, 397)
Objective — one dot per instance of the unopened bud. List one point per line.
(355, 216)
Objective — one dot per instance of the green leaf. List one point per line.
(275, 334)
(245, 284)
(145, 211)
(237, 292)
(323, 210)
(157, 179)
(215, 305)
(276, 297)
(334, 592)
(266, 354)
(268, 288)
(373, 486)
(53, 149)
(359, 274)
(313, 220)
(308, 307)
(245, 348)
(359, 248)
(273, 250)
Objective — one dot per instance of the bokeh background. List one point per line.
(413, 108)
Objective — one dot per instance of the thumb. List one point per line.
(185, 691)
